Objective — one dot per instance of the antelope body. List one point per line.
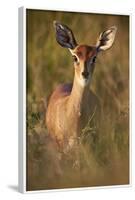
(71, 105)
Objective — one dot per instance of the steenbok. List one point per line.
(72, 105)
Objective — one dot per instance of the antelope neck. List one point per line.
(77, 97)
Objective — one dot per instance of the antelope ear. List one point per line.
(64, 36)
(106, 39)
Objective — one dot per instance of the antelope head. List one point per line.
(84, 56)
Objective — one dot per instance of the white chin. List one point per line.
(84, 82)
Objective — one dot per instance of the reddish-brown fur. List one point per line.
(71, 106)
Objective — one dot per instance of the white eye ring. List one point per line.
(75, 58)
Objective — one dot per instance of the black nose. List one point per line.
(85, 74)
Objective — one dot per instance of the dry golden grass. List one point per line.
(104, 153)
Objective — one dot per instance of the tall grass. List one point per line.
(103, 154)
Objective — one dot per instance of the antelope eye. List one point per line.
(75, 59)
(94, 59)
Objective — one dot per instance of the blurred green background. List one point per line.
(48, 65)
